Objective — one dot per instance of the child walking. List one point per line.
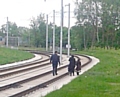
(78, 66)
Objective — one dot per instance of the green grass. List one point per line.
(103, 80)
(8, 55)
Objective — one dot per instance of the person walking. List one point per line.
(71, 65)
(54, 59)
(78, 66)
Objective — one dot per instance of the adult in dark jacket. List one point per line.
(78, 66)
(54, 59)
(71, 65)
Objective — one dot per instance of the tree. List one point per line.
(38, 27)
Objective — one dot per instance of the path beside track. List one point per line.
(57, 85)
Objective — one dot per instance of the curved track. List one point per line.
(27, 78)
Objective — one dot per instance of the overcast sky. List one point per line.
(21, 11)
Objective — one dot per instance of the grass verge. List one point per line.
(8, 55)
(103, 80)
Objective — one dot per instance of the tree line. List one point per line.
(35, 36)
(98, 24)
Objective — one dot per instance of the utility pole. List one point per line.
(61, 32)
(7, 33)
(47, 32)
(69, 30)
(53, 31)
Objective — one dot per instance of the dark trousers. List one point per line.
(54, 69)
(72, 73)
(71, 70)
(77, 73)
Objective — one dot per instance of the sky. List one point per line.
(22, 11)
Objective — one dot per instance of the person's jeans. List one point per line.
(54, 69)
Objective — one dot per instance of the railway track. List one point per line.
(33, 76)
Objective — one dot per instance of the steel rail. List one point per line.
(42, 84)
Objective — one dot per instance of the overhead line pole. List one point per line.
(47, 32)
(61, 32)
(53, 31)
(68, 29)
